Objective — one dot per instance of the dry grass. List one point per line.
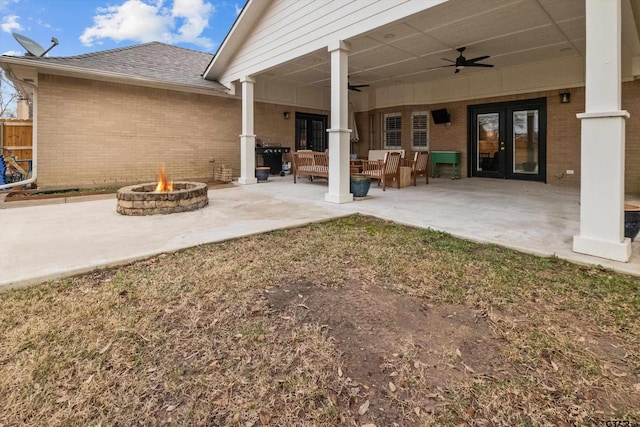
(192, 338)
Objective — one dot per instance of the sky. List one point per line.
(84, 26)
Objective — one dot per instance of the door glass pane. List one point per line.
(525, 142)
(488, 134)
(301, 134)
(318, 133)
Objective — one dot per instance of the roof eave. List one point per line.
(79, 72)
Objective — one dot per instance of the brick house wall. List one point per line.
(95, 134)
(563, 132)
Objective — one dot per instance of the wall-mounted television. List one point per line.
(440, 116)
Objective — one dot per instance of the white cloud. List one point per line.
(10, 23)
(133, 20)
(146, 21)
(5, 3)
(238, 9)
(12, 53)
(195, 15)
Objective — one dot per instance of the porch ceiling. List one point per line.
(411, 50)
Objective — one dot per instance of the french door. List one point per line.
(508, 140)
(311, 132)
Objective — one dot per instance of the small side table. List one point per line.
(405, 177)
(446, 157)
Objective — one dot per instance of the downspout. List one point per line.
(34, 136)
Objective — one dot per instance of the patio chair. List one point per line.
(383, 170)
(420, 166)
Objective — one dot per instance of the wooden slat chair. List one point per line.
(383, 170)
(310, 163)
(420, 166)
(301, 159)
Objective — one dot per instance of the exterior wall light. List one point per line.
(285, 115)
(565, 97)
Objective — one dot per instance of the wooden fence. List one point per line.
(16, 136)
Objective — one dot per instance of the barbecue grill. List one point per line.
(272, 156)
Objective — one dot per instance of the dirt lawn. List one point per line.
(373, 328)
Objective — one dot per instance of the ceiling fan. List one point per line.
(462, 62)
(355, 87)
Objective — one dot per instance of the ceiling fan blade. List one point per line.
(354, 87)
(479, 58)
(473, 64)
(445, 59)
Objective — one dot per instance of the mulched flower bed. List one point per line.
(19, 195)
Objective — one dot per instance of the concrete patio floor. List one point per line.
(53, 239)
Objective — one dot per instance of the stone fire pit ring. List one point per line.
(141, 199)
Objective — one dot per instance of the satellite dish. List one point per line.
(32, 47)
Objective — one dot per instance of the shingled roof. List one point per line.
(155, 61)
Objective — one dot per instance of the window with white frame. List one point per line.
(420, 130)
(391, 130)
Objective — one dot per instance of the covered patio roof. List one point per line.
(411, 49)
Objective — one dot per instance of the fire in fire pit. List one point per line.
(163, 182)
(163, 197)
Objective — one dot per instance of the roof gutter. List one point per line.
(34, 137)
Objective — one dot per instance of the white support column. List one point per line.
(248, 138)
(339, 132)
(603, 138)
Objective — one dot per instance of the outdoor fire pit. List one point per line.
(162, 197)
(142, 199)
